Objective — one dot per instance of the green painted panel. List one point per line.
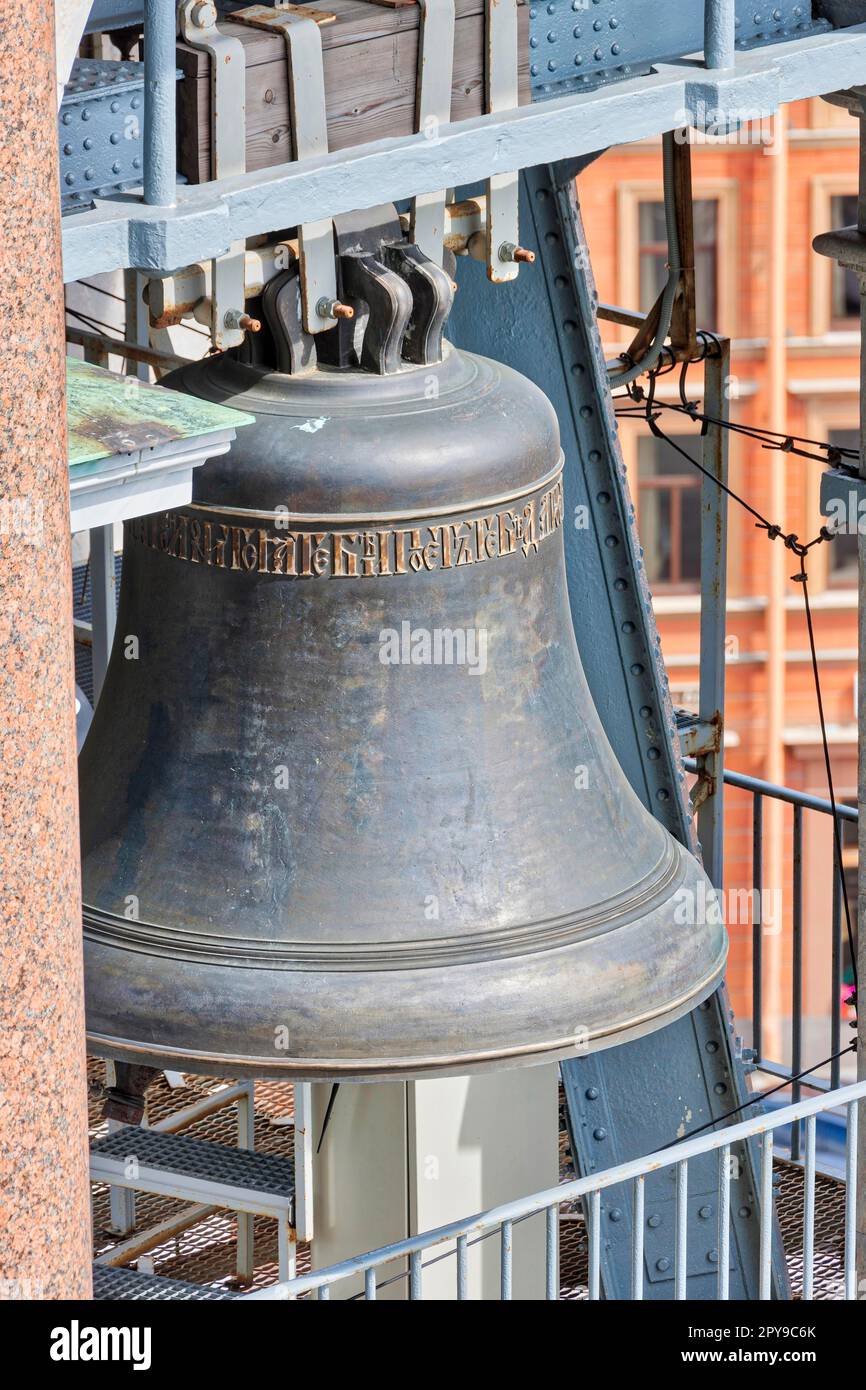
(109, 414)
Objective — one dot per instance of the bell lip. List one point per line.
(420, 1068)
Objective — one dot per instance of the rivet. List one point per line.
(662, 1265)
(615, 49)
(551, 66)
(636, 669)
(603, 498)
(653, 754)
(114, 137)
(591, 1093)
(662, 794)
(551, 37)
(628, 629)
(713, 1257)
(115, 106)
(620, 585)
(611, 542)
(616, 1214)
(705, 1213)
(599, 1134)
(745, 1212)
(88, 143)
(712, 1047)
(654, 1221)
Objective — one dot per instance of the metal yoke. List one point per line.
(299, 26)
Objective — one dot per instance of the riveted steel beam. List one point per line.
(122, 233)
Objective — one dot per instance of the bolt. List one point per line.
(509, 252)
(654, 1221)
(204, 14)
(333, 309)
(662, 1265)
(705, 1213)
(235, 319)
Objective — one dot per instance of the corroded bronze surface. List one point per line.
(347, 807)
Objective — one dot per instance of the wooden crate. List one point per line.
(370, 60)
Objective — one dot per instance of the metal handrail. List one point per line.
(801, 802)
(789, 794)
(676, 1156)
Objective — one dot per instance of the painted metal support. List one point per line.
(720, 17)
(198, 25)
(103, 587)
(847, 246)
(501, 94)
(207, 218)
(309, 123)
(433, 110)
(626, 1101)
(714, 537)
(160, 155)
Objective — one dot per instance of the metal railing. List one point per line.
(501, 1220)
(801, 802)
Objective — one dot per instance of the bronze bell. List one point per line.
(349, 810)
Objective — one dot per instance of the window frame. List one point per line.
(824, 188)
(631, 193)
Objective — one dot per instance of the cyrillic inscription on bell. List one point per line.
(359, 796)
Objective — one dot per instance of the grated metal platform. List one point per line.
(201, 1158)
(205, 1253)
(127, 1285)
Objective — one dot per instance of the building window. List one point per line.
(846, 290)
(843, 551)
(653, 255)
(669, 514)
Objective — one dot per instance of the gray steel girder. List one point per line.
(642, 1096)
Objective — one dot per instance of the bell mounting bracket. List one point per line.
(501, 94)
(432, 110)
(299, 26)
(197, 24)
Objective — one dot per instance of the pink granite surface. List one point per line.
(44, 1195)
